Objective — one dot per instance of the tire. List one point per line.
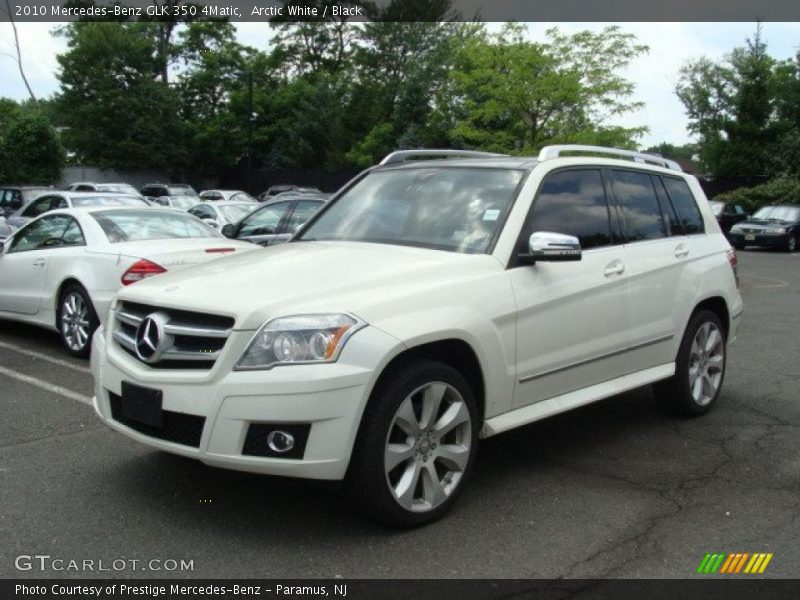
(76, 320)
(792, 243)
(699, 375)
(397, 428)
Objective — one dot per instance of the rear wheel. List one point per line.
(416, 445)
(699, 367)
(76, 320)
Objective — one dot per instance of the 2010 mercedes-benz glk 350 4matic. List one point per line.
(432, 302)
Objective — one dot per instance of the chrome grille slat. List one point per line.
(197, 339)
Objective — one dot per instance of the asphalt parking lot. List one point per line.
(617, 489)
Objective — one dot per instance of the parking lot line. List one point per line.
(50, 387)
(34, 354)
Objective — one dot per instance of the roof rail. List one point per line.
(549, 152)
(400, 156)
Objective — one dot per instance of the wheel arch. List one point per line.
(719, 307)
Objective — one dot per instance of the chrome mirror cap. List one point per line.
(551, 246)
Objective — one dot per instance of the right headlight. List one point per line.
(299, 339)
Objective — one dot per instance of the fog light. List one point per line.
(280, 441)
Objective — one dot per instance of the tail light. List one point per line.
(219, 250)
(734, 262)
(141, 269)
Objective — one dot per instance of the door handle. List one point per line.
(614, 269)
(39, 262)
(681, 251)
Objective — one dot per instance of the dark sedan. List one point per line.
(728, 214)
(770, 227)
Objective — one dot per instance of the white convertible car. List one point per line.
(62, 269)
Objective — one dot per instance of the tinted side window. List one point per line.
(573, 203)
(685, 205)
(47, 232)
(674, 226)
(637, 200)
(38, 207)
(264, 221)
(302, 213)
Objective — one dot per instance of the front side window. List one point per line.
(456, 209)
(573, 203)
(685, 205)
(150, 224)
(639, 205)
(47, 232)
(264, 221)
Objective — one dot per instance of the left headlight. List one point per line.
(299, 339)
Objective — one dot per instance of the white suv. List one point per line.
(429, 304)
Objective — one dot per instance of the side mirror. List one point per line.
(229, 230)
(553, 247)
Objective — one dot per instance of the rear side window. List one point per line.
(674, 226)
(685, 205)
(573, 203)
(639, 205)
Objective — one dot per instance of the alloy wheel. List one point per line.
(428, 446)
(75, 323)
(706, 363)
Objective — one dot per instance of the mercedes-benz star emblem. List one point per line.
(151, 339)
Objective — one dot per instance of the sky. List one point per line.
(654, 74)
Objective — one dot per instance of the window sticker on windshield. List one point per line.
(491, 214)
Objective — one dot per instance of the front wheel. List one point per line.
(791, 243)
(416, 445)
(76, 320)
(699, 367)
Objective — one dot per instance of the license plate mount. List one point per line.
(142, 404)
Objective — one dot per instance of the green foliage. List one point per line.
(30, 149)
(686, 151)
(732, 109)
(782, 190)
(514, 95)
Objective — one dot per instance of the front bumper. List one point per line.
(329, 399)
(762, 240)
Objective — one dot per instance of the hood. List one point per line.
(308, 277)
(755, 225)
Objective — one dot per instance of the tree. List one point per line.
(117, 113)
(731, 107)
(513, 95)
(30, 149)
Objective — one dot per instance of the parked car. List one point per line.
(62, 269)
(429, 304)
(59, 199)
(88, 186)
(12, 198)
(277, 190)
(219, 213)
(176, 202)
(274, 222)
(728, 214)
(5, 230)
(770, 227)
(160, 190)
(235, 195)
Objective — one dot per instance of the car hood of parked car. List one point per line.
(761, 224)
(310, 277)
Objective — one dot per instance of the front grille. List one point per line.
(196, 339)
(177, 427)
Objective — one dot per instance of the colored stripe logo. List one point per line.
(734, 563)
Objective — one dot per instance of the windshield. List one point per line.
(716, 208)
(778, 213)
(117, 187)
(445, 208)
(108, 201)
(181, 190)
(184, 202)
(151, 224)
(235, 212)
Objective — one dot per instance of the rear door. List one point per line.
(572, 317)
(657, 253)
